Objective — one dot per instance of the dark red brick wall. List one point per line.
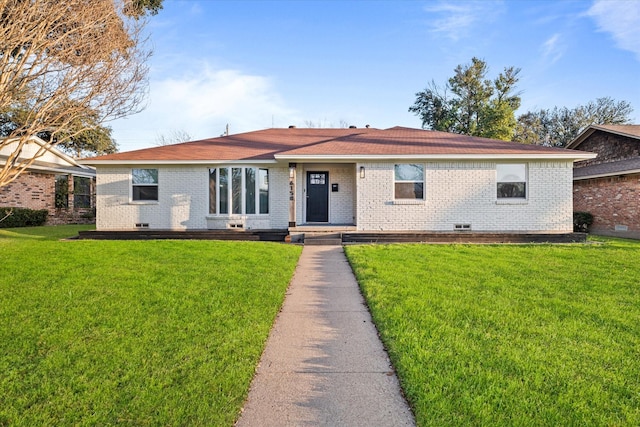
(612, 201)
(34, 190)
(610, 147)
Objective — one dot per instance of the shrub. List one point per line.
(90, 214)
(582, 221)
(22, 217)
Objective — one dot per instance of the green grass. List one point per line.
(533, 335)
(132, 332)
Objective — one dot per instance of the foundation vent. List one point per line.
(142, 225)
(462, 227)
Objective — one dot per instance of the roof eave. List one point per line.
(172, 162)
(607, 174)
(323, 157)
(77, 170)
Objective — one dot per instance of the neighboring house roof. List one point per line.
(631, 131)
(621, 167)
(52, 160)
(271, 145)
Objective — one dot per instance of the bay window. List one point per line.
(238, 190)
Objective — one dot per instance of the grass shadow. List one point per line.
(54, 232)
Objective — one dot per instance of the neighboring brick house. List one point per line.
(396, 179)
(609, 185)
(55, 182)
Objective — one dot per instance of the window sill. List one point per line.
(144, 202)
(235, 216)
(407, 202)
(512, 202)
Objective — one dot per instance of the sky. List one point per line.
(253, 65)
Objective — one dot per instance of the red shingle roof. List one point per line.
(270, 144)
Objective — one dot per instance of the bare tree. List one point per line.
(326, 124)
(175, 136)
(64, 60)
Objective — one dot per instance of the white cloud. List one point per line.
(202, 103)
(621, 19)
(553, 48)
(456, 19)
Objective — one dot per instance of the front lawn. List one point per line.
(132, 332)
(533, 335)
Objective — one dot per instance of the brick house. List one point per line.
(55, 182)
(397, 179)
(608, 186)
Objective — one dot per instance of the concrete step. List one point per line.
(323, 241)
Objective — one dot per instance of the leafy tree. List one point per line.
(139, 8)
(470, 103)
(66, 67)
(84, 137)
(557, 127)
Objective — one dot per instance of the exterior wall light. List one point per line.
(361, 171)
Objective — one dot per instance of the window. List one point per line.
(236, 190)
(512, 181)
(239, 191)
(62, 191)
(263, 185)
(224, 191)
(81, 192)
(317, 178)
(250, 190)
(144, 184)
(409, 181)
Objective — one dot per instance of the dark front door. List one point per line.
(317, 197)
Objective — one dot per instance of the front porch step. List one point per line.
(329, 228)
(323, 239)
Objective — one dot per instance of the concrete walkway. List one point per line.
(324, 364)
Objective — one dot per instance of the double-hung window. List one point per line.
(144, 184)
(409, 181)
(81, 192)
(238, 190)
(511, 181)
(62, 191)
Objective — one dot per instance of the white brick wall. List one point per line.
(455, 193)
(183, 193)
(465, 193)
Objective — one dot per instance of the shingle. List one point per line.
(607, 169)
(268, 143)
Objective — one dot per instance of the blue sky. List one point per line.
(261, 64)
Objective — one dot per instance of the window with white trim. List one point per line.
(409, 181)
(511, 181)
(238, 190)
(144, 184)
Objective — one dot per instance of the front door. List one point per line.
(317, 196)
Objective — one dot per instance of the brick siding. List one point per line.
(455, 193)
(183, 201)
(610, 147)
(613, 201)
(35, 190)
(30, 190)
(465, 193)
